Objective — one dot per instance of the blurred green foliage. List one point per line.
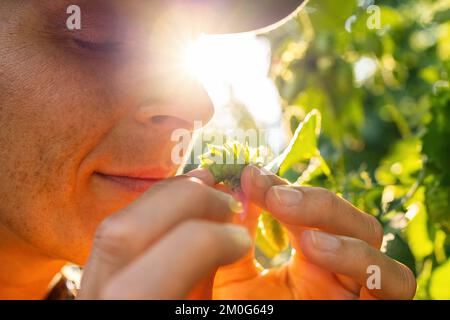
(378, 72)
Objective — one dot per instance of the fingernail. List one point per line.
(324, 241)
(202, 174)
(260, 177)
(240, 235)
(287, 196)
(235, 206)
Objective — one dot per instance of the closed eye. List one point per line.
(100, 47)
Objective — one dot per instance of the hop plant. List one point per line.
(227, 162)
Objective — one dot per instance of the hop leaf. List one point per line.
(273, 231)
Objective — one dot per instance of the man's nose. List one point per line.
(162, 92)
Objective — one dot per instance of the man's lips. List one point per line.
(137, 184)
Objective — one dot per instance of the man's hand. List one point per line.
(166, 245)
(334, 245)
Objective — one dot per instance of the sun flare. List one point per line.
(236, 67)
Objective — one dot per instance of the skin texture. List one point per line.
(66, 112)
(317, 269)
(72, 116)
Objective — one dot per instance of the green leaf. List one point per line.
(442, 16)
(398, 249)
(417, 234)
(387, 133)
(438, 204)
(303, 145)
(275, 234)
(263, 244)
(440, 282)
(396, 167)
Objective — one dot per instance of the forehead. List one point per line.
(130, 19)
(116, 12)
(209, 16)
(100, 7)
(127, 17)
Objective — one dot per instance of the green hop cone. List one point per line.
(226, 163)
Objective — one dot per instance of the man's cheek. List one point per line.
(48, 125)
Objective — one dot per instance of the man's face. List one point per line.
(86, 116)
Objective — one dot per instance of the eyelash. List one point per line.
(98, 47)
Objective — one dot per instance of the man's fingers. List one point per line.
(256, 182)
(203, 174)
(308, 207)
(201, 247)
(382, 276)
(126, 234)
(304, 208)
(321, 209)
(162, 207)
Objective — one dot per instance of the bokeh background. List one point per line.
(378, 73)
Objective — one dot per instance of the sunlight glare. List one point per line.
(236, 66)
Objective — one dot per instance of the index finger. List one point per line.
(124, 235)
(203, 174)
(300, 207)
